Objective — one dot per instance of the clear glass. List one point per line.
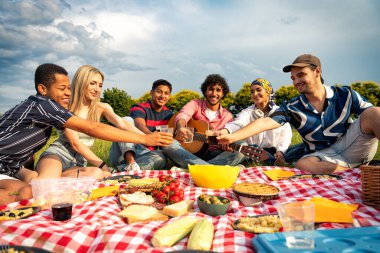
(189, 135)
(295, 217)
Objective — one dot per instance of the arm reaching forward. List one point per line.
(109, 133)
(255, 127)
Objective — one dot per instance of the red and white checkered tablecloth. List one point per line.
(95, 227)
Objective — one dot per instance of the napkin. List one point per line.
(104, 191)
(277, 174)
(327, 210)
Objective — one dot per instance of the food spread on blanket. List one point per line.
(162, 198)
(120, 179)
(258, 224)
(19, 213)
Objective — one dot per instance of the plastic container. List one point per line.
(49, 191)
(348, 240)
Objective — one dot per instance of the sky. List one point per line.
(136, 42)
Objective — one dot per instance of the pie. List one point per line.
(255, 189)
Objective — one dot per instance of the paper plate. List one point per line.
(27, 249)
(259, 228)
(316, 176)
(121, 178)
(18, 213)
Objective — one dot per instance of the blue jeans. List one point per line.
(147, 159)
(182, 157)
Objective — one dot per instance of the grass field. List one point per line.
(101, 148)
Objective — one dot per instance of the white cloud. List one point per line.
(137, 42)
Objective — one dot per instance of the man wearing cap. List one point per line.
(321, 114)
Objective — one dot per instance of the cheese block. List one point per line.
(104, 191)
(155, 217)
(178, 209)
(327, 210)
(138, 212)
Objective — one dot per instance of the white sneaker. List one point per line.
(132, 167)
(174, 168)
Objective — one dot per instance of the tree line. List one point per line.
(121, 102)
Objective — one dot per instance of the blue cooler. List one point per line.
(349, 240)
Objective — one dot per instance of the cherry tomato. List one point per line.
(168, 178)
(24, 202)
(166, 189)
(176, 191)
(177, 183)
(162, 178)
(172, 186)
(180, 195)
(162, 199)
(154, 193)
(174, 199)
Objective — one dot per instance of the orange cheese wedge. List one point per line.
(104, 191)
(327, 210)
(277, 174)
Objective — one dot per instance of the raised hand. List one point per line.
(158, 139)
(225, 139)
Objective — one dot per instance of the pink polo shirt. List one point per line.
(196, 109)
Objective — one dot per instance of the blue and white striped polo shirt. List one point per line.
(320, 131)
(26, 128)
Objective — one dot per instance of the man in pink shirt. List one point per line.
(210, 110)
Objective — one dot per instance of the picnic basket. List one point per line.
(370, 176)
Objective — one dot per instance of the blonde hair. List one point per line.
(79, 84)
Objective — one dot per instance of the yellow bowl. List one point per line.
(214, 176)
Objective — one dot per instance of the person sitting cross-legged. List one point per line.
(322, 116)
(274, 142)
(147, 117)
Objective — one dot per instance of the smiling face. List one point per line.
(305, 79)
(259, 96)
(160, 96)
(59, 91)
(214, 93)
(94, 88)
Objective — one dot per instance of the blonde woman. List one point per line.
(71, 153)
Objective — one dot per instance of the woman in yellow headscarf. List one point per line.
(276, 141)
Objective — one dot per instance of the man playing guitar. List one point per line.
(209, 110)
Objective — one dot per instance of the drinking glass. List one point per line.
(189, 135)
(211, 137)
(296, 217)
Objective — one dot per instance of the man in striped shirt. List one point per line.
(26, 128)
(321, 114)
(147, 117)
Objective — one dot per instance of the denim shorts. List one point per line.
(68, 156)
(352, 150)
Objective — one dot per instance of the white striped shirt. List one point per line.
(26, 128)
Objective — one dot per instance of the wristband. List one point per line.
(102, 165)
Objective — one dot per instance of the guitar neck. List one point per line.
(200, 137)
(236, 147)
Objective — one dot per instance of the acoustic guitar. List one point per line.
(201, 144)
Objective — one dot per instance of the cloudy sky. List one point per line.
(137, 42)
